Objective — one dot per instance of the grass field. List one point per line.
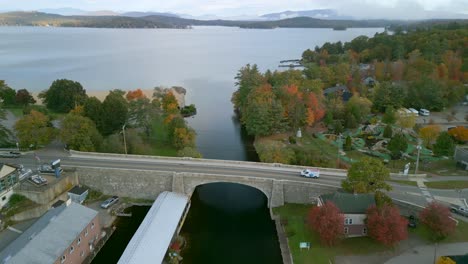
(447, 184)
(294, 218)
(410, 183)
(295, 215)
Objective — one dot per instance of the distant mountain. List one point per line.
(101, 13)
(66, 11)
(143, 14)
(163, 21)
(330, 14)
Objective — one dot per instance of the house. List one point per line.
(369, 81)
(461, 156)
(65, 234)
(8, 179)
(78, 194)
(340, 90)
(354, 207)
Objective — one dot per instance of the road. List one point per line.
(407, 193)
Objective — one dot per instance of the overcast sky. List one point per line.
(408, 9)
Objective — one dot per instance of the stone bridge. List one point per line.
(148, 184)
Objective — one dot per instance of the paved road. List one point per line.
(55, 151)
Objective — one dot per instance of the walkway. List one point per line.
(427, 254)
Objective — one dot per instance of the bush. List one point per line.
(292, 139)
(16, 199)
(348, 144)
(388, 132)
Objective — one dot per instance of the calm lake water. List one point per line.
(204, 60)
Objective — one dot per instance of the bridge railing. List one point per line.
(209, 161)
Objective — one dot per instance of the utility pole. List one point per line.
(125, 141)
(418, 147)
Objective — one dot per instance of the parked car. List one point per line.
(424, 112)
(414, 111)
(109, 202)
(38, 180)
(47, 168)
(311, 173)
(10, 154)
(412, 221)
(459, 210)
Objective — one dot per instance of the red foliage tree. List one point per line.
(437, 218)
(328, 222)
(385, 225)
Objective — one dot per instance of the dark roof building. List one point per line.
(339, 90)
(354, 207)
(349, 203)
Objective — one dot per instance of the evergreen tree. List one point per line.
(444, 145)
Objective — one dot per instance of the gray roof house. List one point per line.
(52, 238)
(354, 207)
(339, 90)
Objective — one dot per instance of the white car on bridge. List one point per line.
(311, 173)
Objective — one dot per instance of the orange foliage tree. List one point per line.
(460, 133)
(429, 134)
(133, 95)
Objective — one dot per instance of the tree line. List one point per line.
(87, 124)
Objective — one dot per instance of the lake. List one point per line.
(204, 60)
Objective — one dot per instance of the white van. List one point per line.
(424, 112)
(413, 111)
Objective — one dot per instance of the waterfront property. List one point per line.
(8, 179)
(161, 224)
(354, 207)
(65, 234)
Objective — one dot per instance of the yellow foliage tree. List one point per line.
(445, 260)
(429, 134)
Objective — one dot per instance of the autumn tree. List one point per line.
(444, 145)
(133, 95)
(429, 134)
(437, 218)
(445, 260)
(385, 225)
(34, 129)
(184, 137)
(23, 97)
(404, 120)
(63, 95)
(247, 79)
(263, 113)
(388, 95)
(367, 176)
(274, 152)
(328, 222)
(359, 107)
(80, 133)
(459, 133)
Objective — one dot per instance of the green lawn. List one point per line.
(447, 184)
(460, 234)
(16, 111)
(294, 218)
(297, 231)
(446, 167)
(411, 183)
